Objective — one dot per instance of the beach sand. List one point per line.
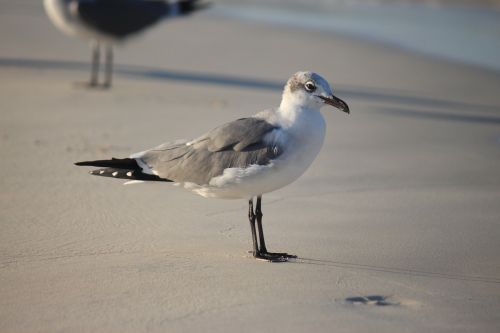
(396, 224)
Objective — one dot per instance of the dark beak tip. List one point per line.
(337, 103)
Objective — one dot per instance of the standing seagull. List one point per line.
(244, 158)
(106, 22)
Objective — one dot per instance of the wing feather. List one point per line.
(237, 144)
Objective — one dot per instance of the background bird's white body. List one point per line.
(63, 14)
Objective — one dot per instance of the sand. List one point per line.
(396, 224)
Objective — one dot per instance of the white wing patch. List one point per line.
(145, 168)
(132, 182)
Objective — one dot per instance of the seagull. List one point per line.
(108, 22)
(242, 159)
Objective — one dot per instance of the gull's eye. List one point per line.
(310, 86)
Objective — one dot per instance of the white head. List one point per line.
(309, 90)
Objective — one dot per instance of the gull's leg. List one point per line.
(109, 65)
(251, 218)
(95, 64)
(258, 215)
(262, 248)
(256, 252)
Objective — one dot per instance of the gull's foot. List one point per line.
(269, 257)
(273, 257)
(282, 255)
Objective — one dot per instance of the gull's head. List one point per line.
(309, 90)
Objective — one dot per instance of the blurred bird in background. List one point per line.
(108, 22)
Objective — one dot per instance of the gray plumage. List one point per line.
(237, 144)
(296, 82)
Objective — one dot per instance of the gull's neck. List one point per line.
(304, 125)
(294, 113)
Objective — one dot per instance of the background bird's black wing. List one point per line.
(120, 18)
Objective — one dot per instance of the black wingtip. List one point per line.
(119, 163)
(89, 163)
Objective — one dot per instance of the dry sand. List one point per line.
(397, 223)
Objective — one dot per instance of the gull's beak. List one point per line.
(336, 102)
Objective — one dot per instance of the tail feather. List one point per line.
(126, 174)
(123, 168)
(119, 163)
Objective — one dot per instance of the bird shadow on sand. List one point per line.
(169, 75)
(395, 270)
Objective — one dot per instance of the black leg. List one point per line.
(256, 253)
(109, 65)
(258, 214)
(262, 247)
(96, 54)
(251, 218)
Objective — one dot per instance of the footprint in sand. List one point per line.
(376, 300)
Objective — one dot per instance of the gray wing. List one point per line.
(237, 144)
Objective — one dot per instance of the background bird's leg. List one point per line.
(262, 249)
(109, 65)
(95, 64)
